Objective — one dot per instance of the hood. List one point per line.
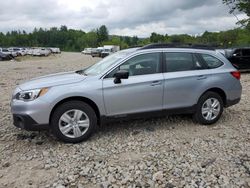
(52, 80)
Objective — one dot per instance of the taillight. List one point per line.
(236, 74)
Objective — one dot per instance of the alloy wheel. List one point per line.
(211, 109)
(74, 123)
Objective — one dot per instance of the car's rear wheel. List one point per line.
(209, 108)
(73, 121)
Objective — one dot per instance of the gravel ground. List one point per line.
(161, 152)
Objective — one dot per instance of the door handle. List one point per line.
(155, 83)
(201, 77)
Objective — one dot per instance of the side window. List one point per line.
(246, 52)
(182, 61)
(211, 61)
(140, 65)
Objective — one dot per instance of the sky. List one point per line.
(122, 17)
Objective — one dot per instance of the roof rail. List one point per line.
(176, 45)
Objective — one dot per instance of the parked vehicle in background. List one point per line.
(13, 51)
(45, 51)
(18, 51)
(4, 57)
(36, 52)
(86, 51)
(94, 52)
(97, 52)
(55, 50)
(29, 51)
(109, 49)
(6, 51)
(40, 52)
(22, 51)
(155, 79)
(239, 57)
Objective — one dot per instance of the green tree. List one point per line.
(63, 28)
(155, 38)
(242, 6)
(102, 34)
(134, 41)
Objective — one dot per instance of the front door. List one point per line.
(141, 92)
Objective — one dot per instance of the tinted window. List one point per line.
(211, 61)
(245, 52)
(181, 61)
(141, 65)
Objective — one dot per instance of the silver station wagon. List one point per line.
(152, 80)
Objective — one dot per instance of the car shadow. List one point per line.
(149, 124)
(124, 127)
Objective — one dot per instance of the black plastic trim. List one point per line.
(176, 45)
(27, 123)
(143, 115)
(232, 102)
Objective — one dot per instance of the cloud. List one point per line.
(123, 17)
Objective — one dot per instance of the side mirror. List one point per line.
(121, 74)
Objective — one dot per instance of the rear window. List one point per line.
(211, 61)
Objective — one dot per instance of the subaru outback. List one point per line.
(154, 79)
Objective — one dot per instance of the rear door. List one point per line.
(141, 92)
(184, 74)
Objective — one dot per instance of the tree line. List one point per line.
(76, 40)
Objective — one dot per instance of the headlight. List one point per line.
(31, 95)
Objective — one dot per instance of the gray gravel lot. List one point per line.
(160, 152)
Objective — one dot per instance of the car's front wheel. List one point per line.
(73, 121)
(209, 108)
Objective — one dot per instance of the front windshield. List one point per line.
(102, 65)
(106, 63)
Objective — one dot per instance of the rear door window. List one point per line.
(211, 61)
(182, 61)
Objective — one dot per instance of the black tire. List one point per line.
(198, 117)
(70, 105)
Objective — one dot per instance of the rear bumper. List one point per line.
(26, 122)
(232, 102)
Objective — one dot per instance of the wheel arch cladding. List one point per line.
(82, 99)
(220, 92)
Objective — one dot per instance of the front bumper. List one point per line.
(30, 115)
(27, 123)
(38, 110)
